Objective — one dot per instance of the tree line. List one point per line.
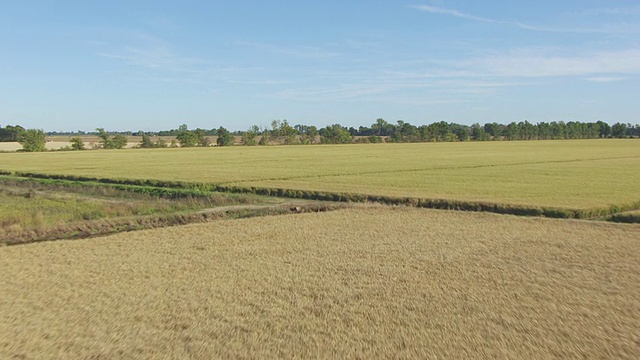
(281, 132)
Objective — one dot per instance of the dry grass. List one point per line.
(576, 173)
(359, 283)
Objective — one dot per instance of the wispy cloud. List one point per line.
(538, 63)
(614, 11)
(293, 50)
(146, 51)
(452, 12)
(600, 29)
(605, 79)
(152, 58)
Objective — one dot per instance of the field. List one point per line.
(372, 282)
(569, 174)
(322, 279)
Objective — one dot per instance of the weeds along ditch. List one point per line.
(35, 209)
(184, 188)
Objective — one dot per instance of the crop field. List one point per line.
(367, 282)
(569, 174)
(359, 281)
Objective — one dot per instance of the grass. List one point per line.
(32, 210)
(569, 174)
(360, 283)
(631, 217)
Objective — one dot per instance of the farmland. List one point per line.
(569, 174)
(356, 280)
(359, 283)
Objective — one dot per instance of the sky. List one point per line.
(153, 65)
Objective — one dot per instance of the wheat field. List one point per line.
(369, 282)
(570, 174)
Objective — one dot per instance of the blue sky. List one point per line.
(151, 65)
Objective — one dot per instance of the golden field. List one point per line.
(374, 282)
(569, 174)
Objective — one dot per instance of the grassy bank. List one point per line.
(46, 209)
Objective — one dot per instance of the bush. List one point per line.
(32, 140)
(77, 143)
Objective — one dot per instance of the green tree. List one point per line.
(511, 132)
(265, 137)
(105, 140)
(460, 131)
(619, 130)
(382, 128)
(77, 143)
(10, 133)
(308, 134)
(186, 137)
(225, 138)
(249, 136)
(118, 141)
(201, 138)
(335, 134)
(146, 142)
(32, 140)
(439, 131)
(478, 133)
(605, 129)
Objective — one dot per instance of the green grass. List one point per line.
(31, 210)
(630, 217)
(40, 205)
(570, 174)
(48, 209)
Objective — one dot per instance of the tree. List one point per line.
(512, 132)
(382, 128)
(309, 134)
(225, 138)
(32, 140)
(494, 130)
(282, 132)
(10, 133)
(460, 131)
(105, 140)
(249, 136)
(265, 137)
(118, 141)
(77, 143)
(335, 134)
(619, 130)
(439, 131)
(404, 132)
(201, 138)
(477, 133)
(186, 137)
(146, 142)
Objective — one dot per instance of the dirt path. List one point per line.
(294, 206)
